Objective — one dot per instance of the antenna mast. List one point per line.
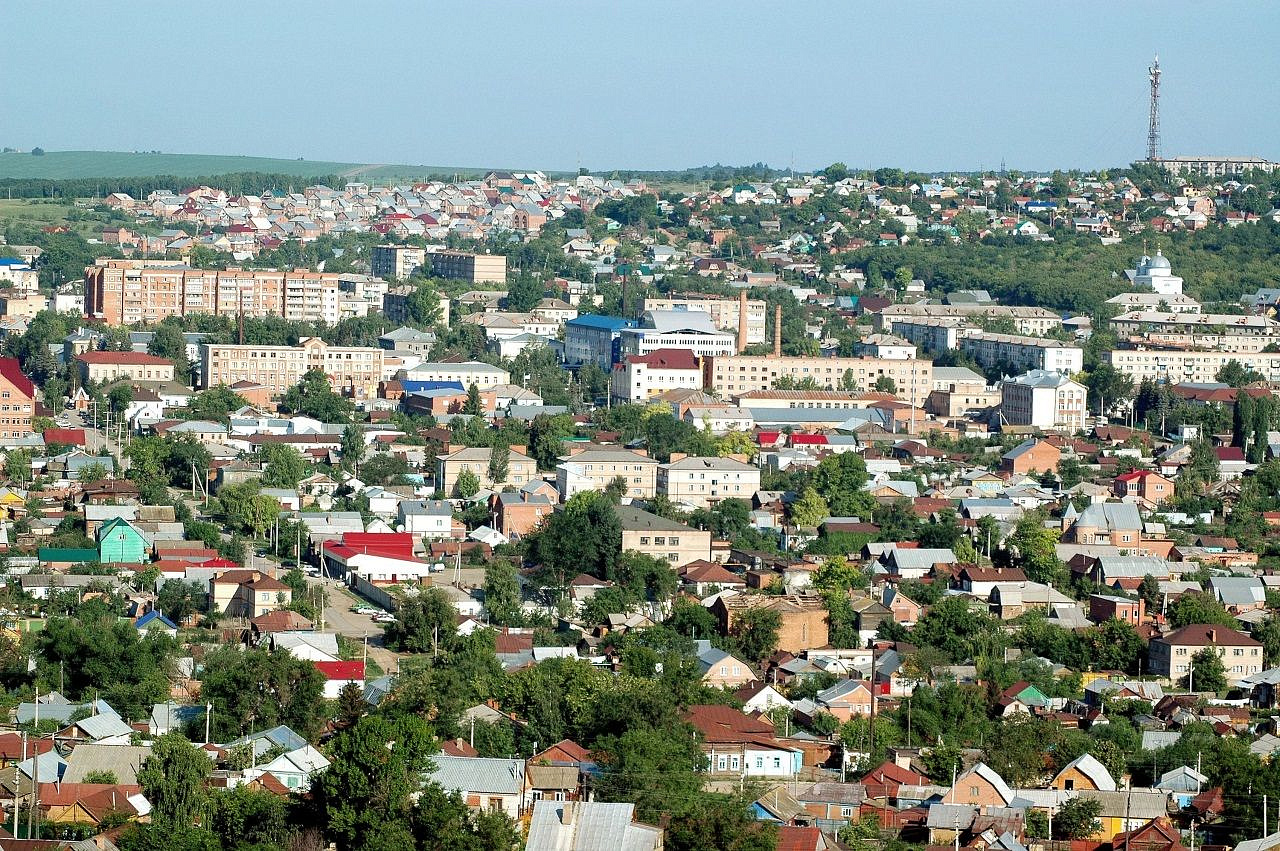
(1153, 122)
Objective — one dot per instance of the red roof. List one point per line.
(793, 838)
(666, 359)
(341, 670)
(768, 438)
(125, 358)
(397, 544)
(73, 436)
(808, 440)
(1229, 453)
(12, 372)
(1134, 475)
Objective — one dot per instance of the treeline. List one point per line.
(237, 183)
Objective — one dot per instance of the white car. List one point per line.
(384, 617)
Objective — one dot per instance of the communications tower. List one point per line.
(1153, 122)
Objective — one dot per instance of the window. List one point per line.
(759, 762)
(777, 762)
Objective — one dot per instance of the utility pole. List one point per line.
(208, 708)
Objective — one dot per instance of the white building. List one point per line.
(1044, 399)
(427, 518)
(1176, 366)
(1127, 302)
(483, 375)
(639, 377)
(677, 329)
(1022, 352)
(1156, 273)
(887, 346)
(719, 419)
(702, 482)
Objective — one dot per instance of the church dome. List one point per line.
(1159, 261)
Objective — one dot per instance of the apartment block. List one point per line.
(125, 292)
(703, 482)
(726, 313)
(1224, 324)
(396, 262)
(17, 401)
(100, 367)
(676, 329)
(639, 377)
(466, 266)
(594, 339)
(352, 370)
(737, 374)
(1022, 353)
(1177, 365)
(1045, 399)
(595, 468)
(668, 540)
(1028, 320)
(395, 304)
(935, 335)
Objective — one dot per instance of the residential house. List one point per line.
(1114, 523)
(248, 593)
(1171, 655)
(521, 469)
(846, 699)
(721, 669)
(426, 518)
(703, 482)
(596, 468)
(1146, 485)
(803, 617)
(120, 542)
(668, 540)
(739, 745)
(559, 825)
(980, 786)
(1084, 772)
(1031, 456)
(483, 784)
(520, 512)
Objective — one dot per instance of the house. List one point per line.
(705, 577)
(89, 804)
(803, 617)
(739, 745)
(520, 512)
(1239, 594)
(904, 610)
(248, 593)
(980, 786)
(338, 675)
(426, 518)
(295, 769)
(1146, 485)
(521, 469)
(760, 697)
(846, 699)
(589, 826)
(1171, 655)
(483, 784)
(1115, 523)
(721, 669)
(120, 542)
(667, 540)
(1084, 772)
(1031, 456)
(154, 621)
(1104, 607)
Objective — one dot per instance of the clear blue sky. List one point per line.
(555, 84)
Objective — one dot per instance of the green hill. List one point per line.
(62, 165)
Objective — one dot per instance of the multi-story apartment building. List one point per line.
(466, 266)
(408, 340)
(352, 370)
(100, 367)
(124, 292)
(1217, 166)
(958, 391)
(1028, 320)
(638, 377)
(17, 403)
(830, 400)
(668, 540)
(1045, 399)
(1155, 301)
(594, 339)
(521, 469)
(935, 335)
(703, 482)
(1022, 353)
(736, 374)
(1152, 323)
(396, 262)
(466, 373)
(593, 469)
(676, 329)
(727, 314)
(1177, 366)
(1171, 655)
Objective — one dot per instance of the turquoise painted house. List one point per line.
(120, 542)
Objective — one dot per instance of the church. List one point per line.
(1156, 273)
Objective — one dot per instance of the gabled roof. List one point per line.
(1090, 767)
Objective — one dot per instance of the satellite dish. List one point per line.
(399, 527)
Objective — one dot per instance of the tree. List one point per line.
(466, 485)
(1203, 463)
(285, 466)
(365, 797)
(1034, 544)
(1070, 471)
(885, 384)
(215, 404)
(384, 468)
(524, 293)
(120, 397)
(837, 574)
(352, 447)
(1077, 818)
(585, 537)
(473, 405)
(1236, 374)
(839, 480)
(92, 472)
(258, 689)
(1107, 386)
(1199, 608)
(1207, 672)
(1149, 591)
(313, 397)
(499, 463)
(809, 510)
(179, 600)
(502, 593)
(424, 623)
(245, 818)
(755, 632)
(173, 777)
(167, 342)
(245, 508)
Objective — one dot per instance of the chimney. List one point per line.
(742, 322)
(678, 456)
(777, 331)
(567, 818)
(1213, 636)
(519, 449)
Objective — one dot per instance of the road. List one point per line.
(339, 618)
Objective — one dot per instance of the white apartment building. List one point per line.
(593, 469)
(1044, 399)
(676, 329)
(1217, 166)
(466, 373)
(1177, 366)
(887, 346)
(309, 296)
(719, 419)
(352, 370)
(1028, 320)
(1144, 322)
(726, 313)
(638, 377)
(736, 374)
(1155, 301)
(1022, 353)
(702, 482)
(935, 335)
(831, 400)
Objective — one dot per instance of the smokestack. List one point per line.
(777, 331)
(742, 322)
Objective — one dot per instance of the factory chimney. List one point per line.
(777, 331)
(742, 322)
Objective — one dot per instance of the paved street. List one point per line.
(339, 618)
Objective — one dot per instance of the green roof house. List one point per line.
(120, 542)
(66, 556)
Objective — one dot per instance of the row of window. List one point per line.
(660, 541)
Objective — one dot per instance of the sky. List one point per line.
(663, 84)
